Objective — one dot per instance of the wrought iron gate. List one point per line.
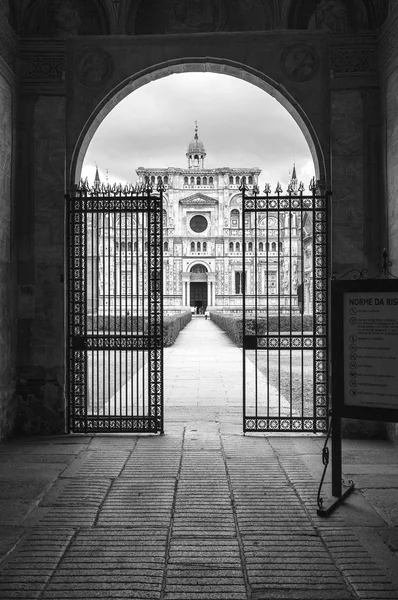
(285, 310)
(115, 309)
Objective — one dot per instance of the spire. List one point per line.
(293, 184)
(196, 130)
(97, 180)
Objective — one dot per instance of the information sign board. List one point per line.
(365, 349)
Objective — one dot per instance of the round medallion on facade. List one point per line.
(94, 66)
(198, 224)
(300, 62)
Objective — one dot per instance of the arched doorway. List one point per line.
(198, 289)
(313, 128)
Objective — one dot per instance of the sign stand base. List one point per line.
(337, 481)
(325, 512)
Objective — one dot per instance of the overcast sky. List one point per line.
(239, 124)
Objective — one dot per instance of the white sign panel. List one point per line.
(371, 349)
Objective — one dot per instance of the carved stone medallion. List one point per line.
(300, 62)
(94, 66)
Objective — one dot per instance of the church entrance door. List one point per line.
(198, 297)
(115, 310)
(285, 310)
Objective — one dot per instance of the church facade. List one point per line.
(203, 245)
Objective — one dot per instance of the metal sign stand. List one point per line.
(337, 480)
(351, 398)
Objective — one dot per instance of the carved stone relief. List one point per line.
(331, 15)
(63, 19)
(94, 66)
(66, 19)
(357, 60)
(300, 62)
(197, 16)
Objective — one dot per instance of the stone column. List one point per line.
(185, 289)
(7, 229)
(211, 279)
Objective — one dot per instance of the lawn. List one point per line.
(287, 375)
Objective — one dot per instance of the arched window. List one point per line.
(117, 246)
(198, 181)
(250, 180)
(237, 247)
(135, 246)
(192, 180)
(185, 180)
(204, 180)
(210, 180)
(273, 247)
(129, 246)
(231, 180)
(166, 180)
(231, 246)
(204, 247)
(192, 246)
(198, 269)
(235, 218)
(123, 246)
(153, 179)
(196, 160)
(159, 179)
(146, 179)
(250, 246)
(267, 249)
(198, 247)
(280, 246)
(166, 246)
(164, 218)
(243, 179)
(261, 247)
(237, 180)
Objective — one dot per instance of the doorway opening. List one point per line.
(199, 296)
(202, 217)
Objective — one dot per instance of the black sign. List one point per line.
(365, 349)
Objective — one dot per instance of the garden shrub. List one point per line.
(172, 325)
(233, 325)
(115, 323)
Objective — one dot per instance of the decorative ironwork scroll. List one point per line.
(285, 309)
(115, 309)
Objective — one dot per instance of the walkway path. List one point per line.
(202, 513)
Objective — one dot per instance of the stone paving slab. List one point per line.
(202, 513)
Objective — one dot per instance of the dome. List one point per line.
(196, 146)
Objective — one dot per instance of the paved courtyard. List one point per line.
(201, 513)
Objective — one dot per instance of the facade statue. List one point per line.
(195, 16)
(331, 15)
(66, 19)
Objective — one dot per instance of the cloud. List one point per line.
(239, 124)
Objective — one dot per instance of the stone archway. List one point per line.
(296, 74)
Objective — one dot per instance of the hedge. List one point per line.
(233, 325)
(172, 326)
(116, 323)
